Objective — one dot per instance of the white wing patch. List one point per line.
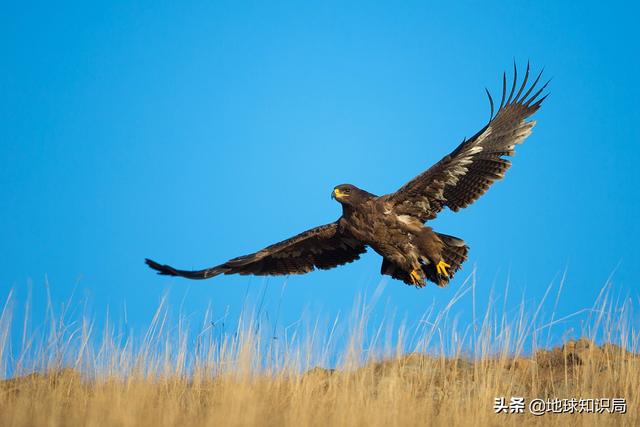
(466, 173)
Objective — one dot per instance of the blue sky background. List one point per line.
(193, 132)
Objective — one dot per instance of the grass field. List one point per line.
(68, 374)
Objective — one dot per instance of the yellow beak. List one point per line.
(337, 194)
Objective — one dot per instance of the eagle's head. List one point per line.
(348, 194)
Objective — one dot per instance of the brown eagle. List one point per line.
(393, 224)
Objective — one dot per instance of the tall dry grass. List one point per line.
(436, 372)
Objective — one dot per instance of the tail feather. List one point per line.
(167, 270)
(454, 253)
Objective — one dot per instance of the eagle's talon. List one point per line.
(415, 277)
(442, 268)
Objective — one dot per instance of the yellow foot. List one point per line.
(442, 268)
(415, 277)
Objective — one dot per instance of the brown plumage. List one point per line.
(393, 224)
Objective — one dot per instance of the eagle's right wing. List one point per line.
(322, 247)
(467, 172)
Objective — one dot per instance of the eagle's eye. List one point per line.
(347, 190)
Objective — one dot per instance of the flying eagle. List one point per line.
(393, 224)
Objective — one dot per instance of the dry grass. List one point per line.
(70, 377)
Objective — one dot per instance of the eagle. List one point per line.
(393, 225)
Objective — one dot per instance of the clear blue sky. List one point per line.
(193, 132)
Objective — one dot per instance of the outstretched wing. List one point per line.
(321, 247)
(465, 174)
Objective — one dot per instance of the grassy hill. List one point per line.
(67, 374)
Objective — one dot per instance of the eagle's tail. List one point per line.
(167, 270)
(454, 253)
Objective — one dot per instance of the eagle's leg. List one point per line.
(417, 277)
(441, 267)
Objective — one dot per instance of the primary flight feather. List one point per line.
(393, 224)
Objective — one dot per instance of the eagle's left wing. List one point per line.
(465, 174)
(322, 247)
